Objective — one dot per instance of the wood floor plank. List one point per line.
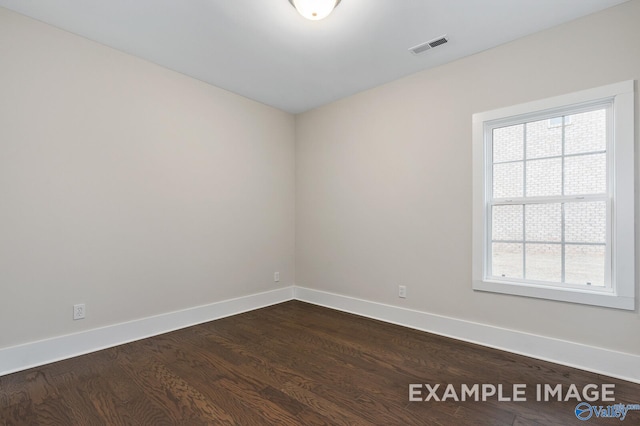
(290, 364)
(334, 413)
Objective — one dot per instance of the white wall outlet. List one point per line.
(276, 277)
(78, 311)
(402, 291)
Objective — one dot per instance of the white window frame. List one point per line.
(619, 291)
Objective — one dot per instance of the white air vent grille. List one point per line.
(423, 47)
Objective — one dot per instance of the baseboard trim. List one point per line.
(34, 354)
(597, 360)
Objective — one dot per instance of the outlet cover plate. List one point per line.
(78, 311)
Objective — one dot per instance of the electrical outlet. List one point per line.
(276, 277)
(78, 311)
(402, 291)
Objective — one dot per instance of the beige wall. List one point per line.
(130, 188)
(383, 180)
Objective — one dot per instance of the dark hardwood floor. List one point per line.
(293, 364)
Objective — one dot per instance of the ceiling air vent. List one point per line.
(423, 47)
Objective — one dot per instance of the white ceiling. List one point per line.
(264, 50)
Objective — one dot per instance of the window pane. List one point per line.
(585, 174)
(544, 262)
(543, 140)
(587, 132)
(506, 260)
(507, 222)
(508, 143)
(544, 177)
(543, 222)
(585, 222)
(507, 180)
(584, 264)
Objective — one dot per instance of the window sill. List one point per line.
(585, 297)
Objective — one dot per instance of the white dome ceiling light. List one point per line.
(314, 9)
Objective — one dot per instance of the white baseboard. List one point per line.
(22, 357)
(602, 361)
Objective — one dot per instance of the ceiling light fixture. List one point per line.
(314, 9)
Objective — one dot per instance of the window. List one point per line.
(554, 198)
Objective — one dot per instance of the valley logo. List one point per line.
(584, 411)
